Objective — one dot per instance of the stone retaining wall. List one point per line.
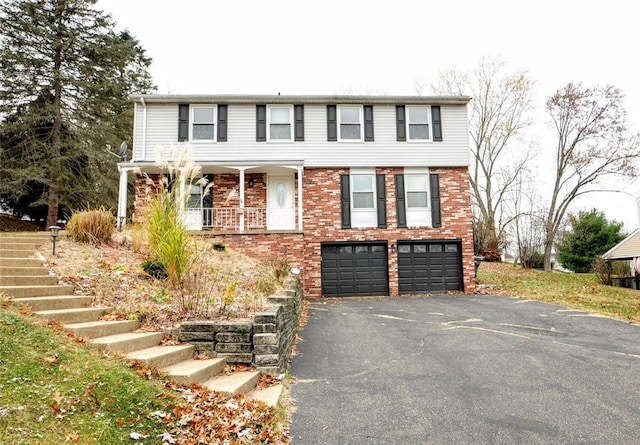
(265, 342)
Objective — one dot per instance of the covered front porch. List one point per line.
(230, 197)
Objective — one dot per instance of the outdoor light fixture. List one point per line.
(393, 248)
(54, 234)
(251, 182)
(122, 218)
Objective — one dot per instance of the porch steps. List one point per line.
(27, 282)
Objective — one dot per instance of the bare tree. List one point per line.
(527, 222)
(499, 114)
(594, 142)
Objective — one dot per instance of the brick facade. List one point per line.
(322, 221)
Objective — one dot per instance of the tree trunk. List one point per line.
(52, 202)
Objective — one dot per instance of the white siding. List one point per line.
(162, 131)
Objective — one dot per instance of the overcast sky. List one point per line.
(368, 47)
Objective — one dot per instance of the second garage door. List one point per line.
(429, 266)
(355, 269)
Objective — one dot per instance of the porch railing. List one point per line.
(228, 218)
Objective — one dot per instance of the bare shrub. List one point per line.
(92, 226)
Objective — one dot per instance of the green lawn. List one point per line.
(579, 291)
(55, 389)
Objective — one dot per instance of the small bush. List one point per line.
(602, 270)
(92, 226)
(155, 268)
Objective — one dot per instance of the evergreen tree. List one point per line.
(590, 235)
(65, 78)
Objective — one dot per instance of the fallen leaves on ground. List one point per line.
(209, 417)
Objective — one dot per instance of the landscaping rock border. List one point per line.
(265, 342)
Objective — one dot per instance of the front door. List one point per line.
(280, 203)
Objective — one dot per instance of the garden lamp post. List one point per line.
(54, 234)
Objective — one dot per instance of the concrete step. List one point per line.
(160, 357)
(13, 253)
(28, 280)
(14, 244)
(8, 271)
(55, 302)
(67, 316)
(36, 236)
(234, 384)
(96, 329)
(21, 262)
(37, 291)
(129, 341)
(194, 371)
(270, 396)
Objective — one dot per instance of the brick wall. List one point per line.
(322, 222)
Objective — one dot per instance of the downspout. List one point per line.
(300, 171)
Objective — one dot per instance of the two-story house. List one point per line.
(367, 195)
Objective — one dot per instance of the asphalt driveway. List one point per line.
(464, 370)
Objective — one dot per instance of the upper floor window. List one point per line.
(280, 123)
(418, 119)
(350, 123)
(418, 123)
(203, 123)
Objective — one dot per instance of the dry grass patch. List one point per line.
(222, 284)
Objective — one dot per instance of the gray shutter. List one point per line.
(222, 123)
(345, 202)
(298, 114)
(436, 217)
(436, 123)
(381, 191)
(332, 123)
(261, 123)
(401, 209)
(183, 122)
(368, 123)
(401, 124)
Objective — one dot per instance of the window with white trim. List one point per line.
(363, 199)
(418, 119)
(203, 120)
(280, 119)
(417, 198)
(350, 123)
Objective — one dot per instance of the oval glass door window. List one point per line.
(281, 194)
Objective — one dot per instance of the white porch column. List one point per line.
(122, 198)
(300, 170)
(182, 190)
(241, 198)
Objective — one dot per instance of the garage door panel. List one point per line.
(356, 269)
(431, 266)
